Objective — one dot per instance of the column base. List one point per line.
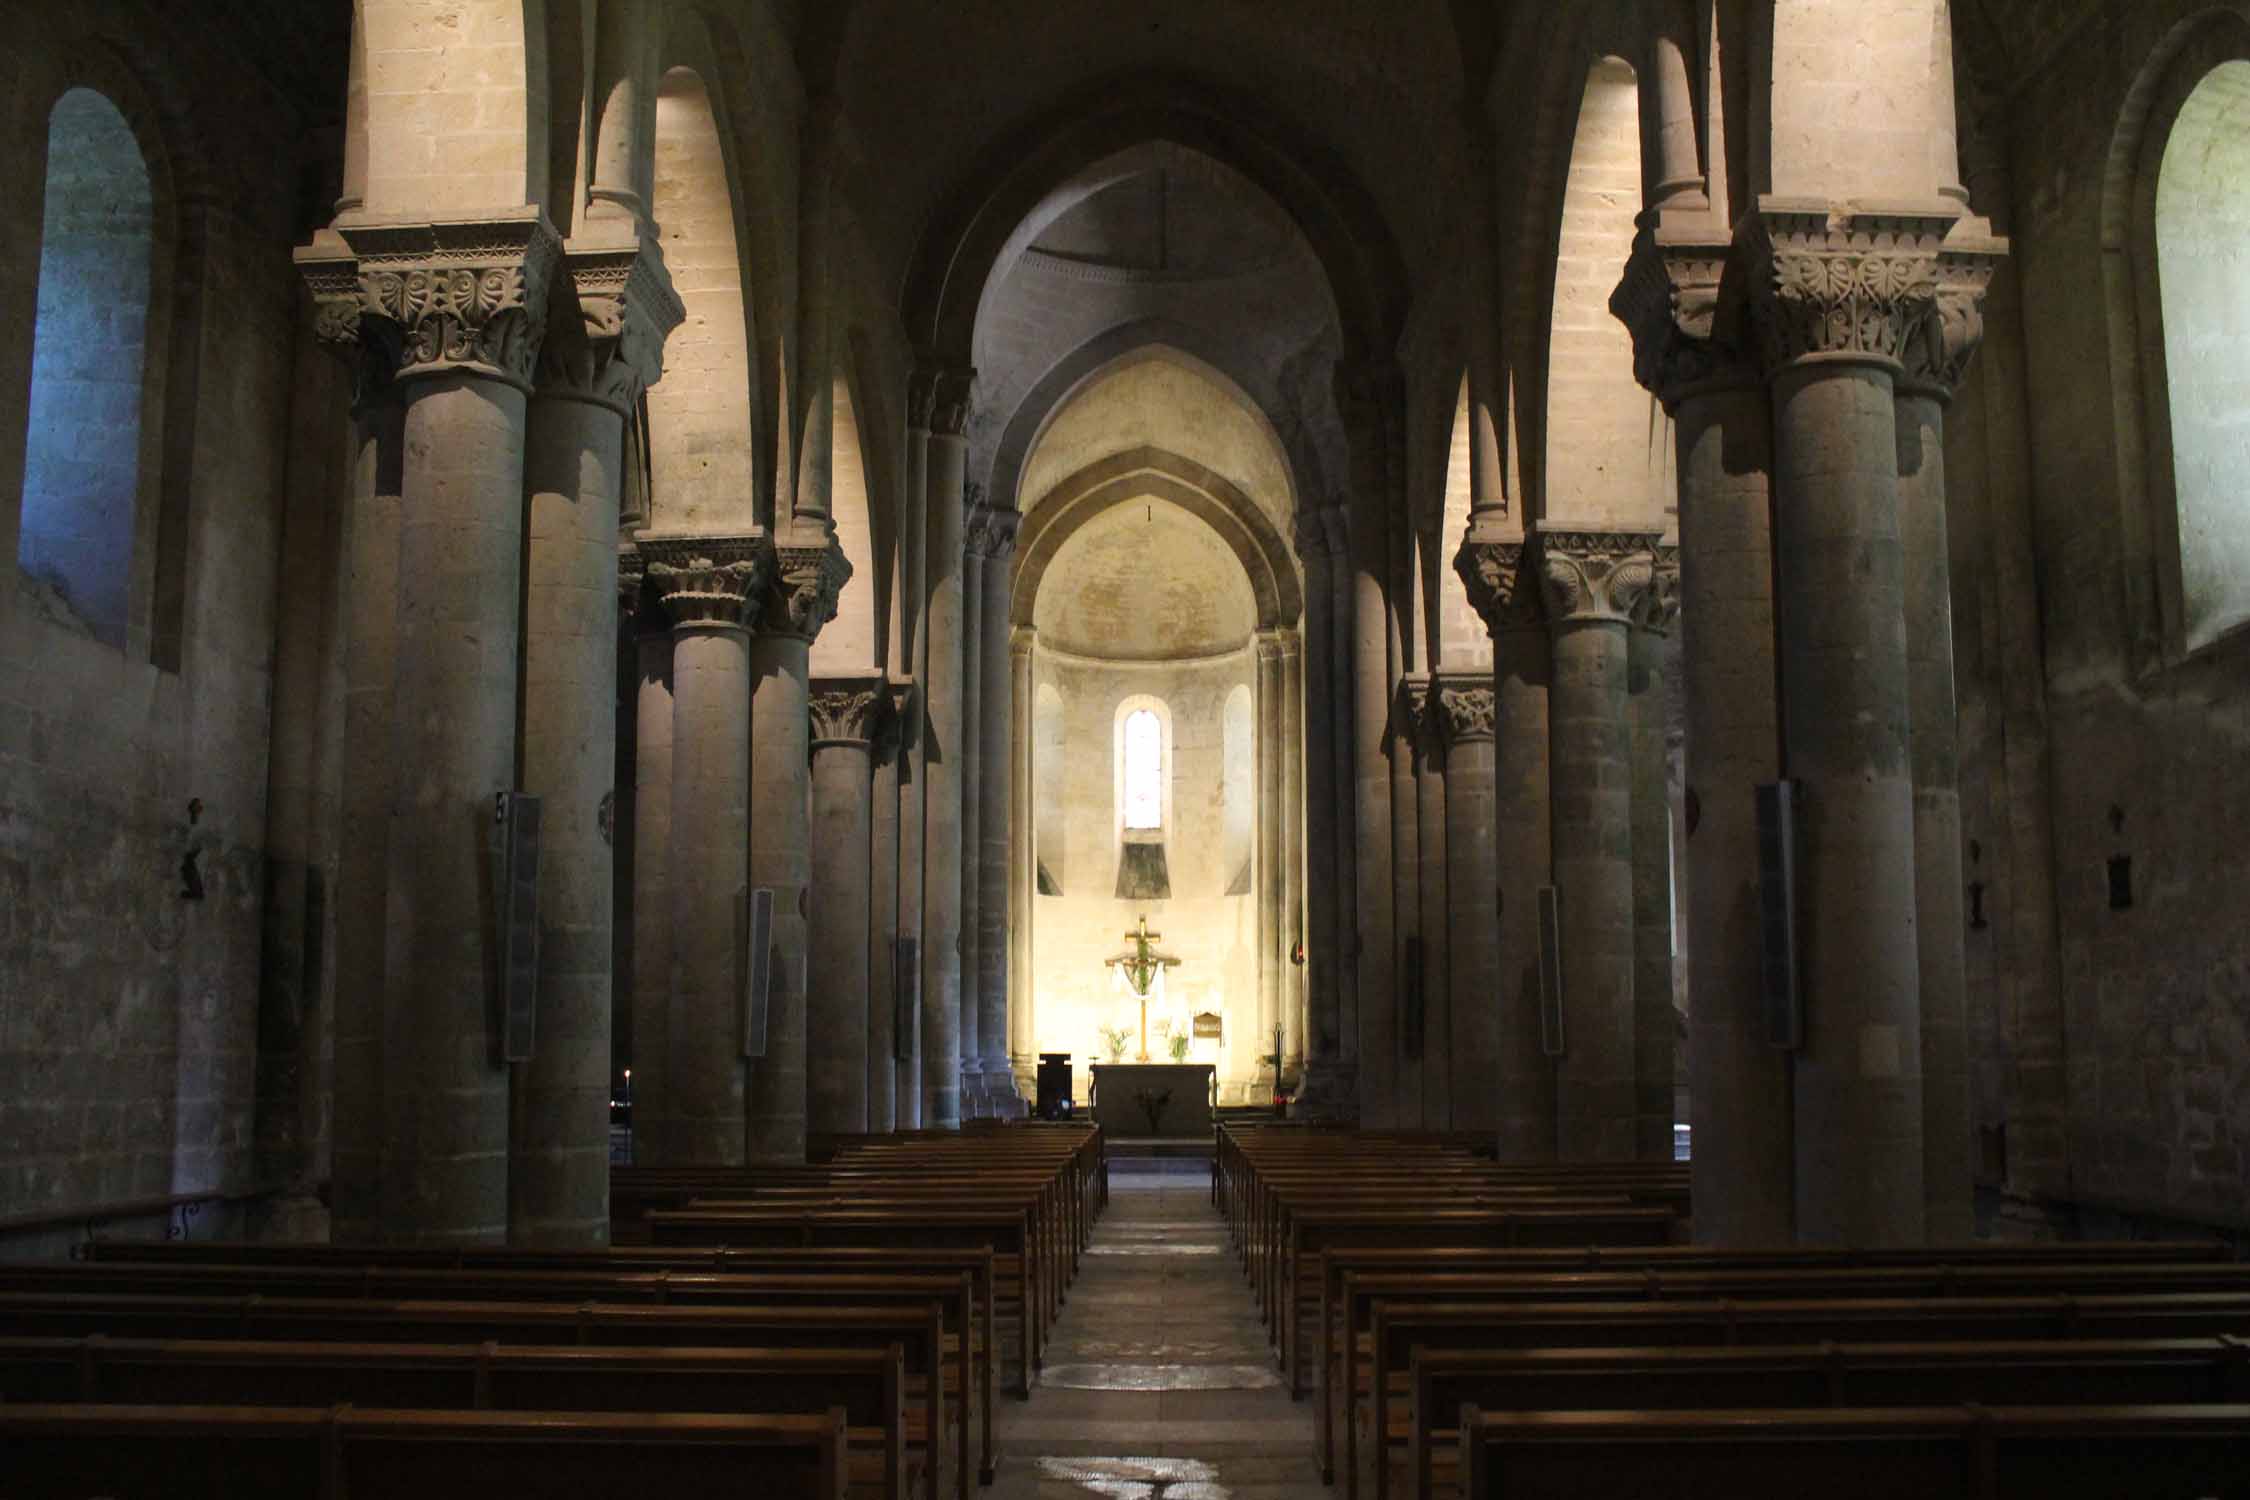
(1329, 1094)
(297, 1217)
(1003, 1093)
(974, 1103)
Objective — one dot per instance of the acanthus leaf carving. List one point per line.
(1844, 283)
(989, 531)
(459, 298)
(803, 589)
(1465, 711)
(1594, 575)
(1493, 574)
(847, 710)
(708, 581)
(1658, 608)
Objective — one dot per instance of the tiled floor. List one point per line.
(1158, 1384)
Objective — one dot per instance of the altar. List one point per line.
(1118, 1091)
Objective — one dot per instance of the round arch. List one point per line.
(1207, 495)
(1109, 353)
(1018, 172)
(2147, 486)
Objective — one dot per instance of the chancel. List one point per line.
(1639, 610)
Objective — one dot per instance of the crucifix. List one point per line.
(1140, 964)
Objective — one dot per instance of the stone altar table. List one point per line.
(1186, 1113)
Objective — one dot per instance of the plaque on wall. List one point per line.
(1209, 1024)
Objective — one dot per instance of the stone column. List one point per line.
(1267, 842)
(1497, 575)
(1649, 657)
(655, 1137)
(591, 379)
(370, 623)
(1934, 364)
(623, 109)
(1326, 1092)
(973, 1105)
(1424, 746)
(1462, 708)
(845, 715)
(809, 571)
(1023, 870)
(460, 308)
(991, 542)
(1740, 1096)
(944, 740)
(1590, 583)
(1292, 752)
(707, 584)
(1365, 398)
(914, 654)
(1835, 296)
(882, 918)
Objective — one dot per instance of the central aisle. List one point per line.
(1158, 1383)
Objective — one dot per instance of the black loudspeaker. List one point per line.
(1054, 1086)
(756, 926)
(906, 994)
(1550, 971)
(515, 817)
(1777, 915)
(1413, 1009)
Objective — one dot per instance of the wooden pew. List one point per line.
(1005, 1232)
(1339, 1325)
(1934, 1453)
(951, 1294)
(918, 1331)
(2061, 1372)
(869, 1386)
(976, 1263)
(1401, 1329)
(67, 1452)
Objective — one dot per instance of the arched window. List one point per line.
(1144, 771)
(2203, 279)
(82, 451)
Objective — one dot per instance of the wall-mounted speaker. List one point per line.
(515, 915)
(1550, 971)
(1778, 988)
(756, 926)
(906, 992)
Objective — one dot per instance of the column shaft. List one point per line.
(1940, 920)
(1292, 755)
(356, 1154)
(1267, 720)
(1649, 654)
(1739, 1091)
(913, 771)
(943, 741)
(1472, 893)
(780, 861)
(1368, 625)
(1845, 735)
(837, 1002)
(1023, 1020)
(972, 808)
(1594, 884)
(1523, 854)
(656, 1140)
(1440, 1104)
(452, 738)
(995, 713)
(882, 924)
(558, 1170)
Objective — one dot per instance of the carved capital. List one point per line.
(896, 725)
(939, 399)
(1670, 300)
(1318, 533)
(989, 531)
(708, 582)
(1594, 576)
(1841, 283)
(627, 309)
(802, 590)
(1410, 707)
(455, 297)
(1464, 708)
(632, 579)
(1938, 354)
(847, 710)
(331, 274)
(1493, 574)
(1658, 608)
